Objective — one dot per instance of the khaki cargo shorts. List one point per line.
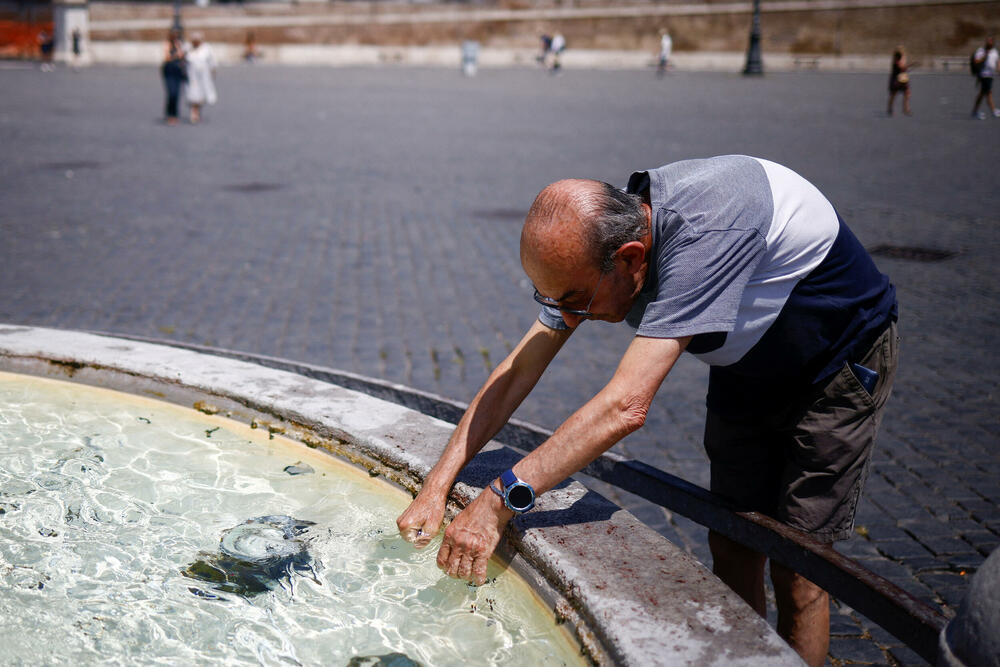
(805, 464)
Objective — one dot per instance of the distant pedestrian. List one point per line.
(666, 47)
(899, 80)
(543, 57)
(77, 47)
(46, 45)
(250, 52)
(201, 76)
(558, 46)
(985, 60)
(174, 71)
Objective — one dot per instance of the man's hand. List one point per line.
(422, 519)
(472, 537)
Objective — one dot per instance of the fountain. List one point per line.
(244, 540)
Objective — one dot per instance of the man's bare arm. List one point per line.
(508, 385)
(617, 410)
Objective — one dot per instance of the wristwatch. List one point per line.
(517, 496)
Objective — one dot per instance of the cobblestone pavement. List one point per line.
(368, 220)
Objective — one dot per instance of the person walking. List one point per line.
(201, 76)
(46, 46)
(543, 55)
(899, 80)
(558, 46)
(744, 264)
(174, 73)
(666, 47)
(985, 58)
(77, 38)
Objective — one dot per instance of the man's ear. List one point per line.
(633, 254)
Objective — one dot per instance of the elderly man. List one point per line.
(744, 264)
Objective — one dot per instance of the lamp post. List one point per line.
(177, 18)
(754, 66)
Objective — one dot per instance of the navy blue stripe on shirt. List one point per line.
(832, 315)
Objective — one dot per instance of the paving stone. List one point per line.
(885, 532)
(925, 564)
(856, 650)
(980, 509)
(842, 625)
(926, 524)
(880, 636)
(945, 546)
(857, 547)
(899, 549)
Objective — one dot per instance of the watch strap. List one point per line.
(508, 478)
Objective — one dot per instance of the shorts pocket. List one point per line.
(854, 386)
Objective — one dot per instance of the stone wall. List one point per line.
(832, 28)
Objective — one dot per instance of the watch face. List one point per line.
(520, 497)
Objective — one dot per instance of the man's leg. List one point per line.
(803, 614)
(740, 568)
(979, 97)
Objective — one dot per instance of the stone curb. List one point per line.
(631, 597)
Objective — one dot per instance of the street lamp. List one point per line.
(178, 28)
(754, 63)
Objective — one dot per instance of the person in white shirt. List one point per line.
(201, 76)
(558, 46)
(986, 57)
(666, 46)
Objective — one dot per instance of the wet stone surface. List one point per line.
(391, 249)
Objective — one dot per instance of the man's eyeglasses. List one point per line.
(552, 303)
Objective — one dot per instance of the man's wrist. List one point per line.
(438, 482)
(496, 503)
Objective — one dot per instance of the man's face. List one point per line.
(608, 297)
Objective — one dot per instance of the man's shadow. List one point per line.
(587, 508)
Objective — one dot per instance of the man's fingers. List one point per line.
(420, 522)
(455, 559)
(417, 536)
(422, 539)
(479, 570)
(464, 570)
(443, 553)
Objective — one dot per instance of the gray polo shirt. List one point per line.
(737, 242)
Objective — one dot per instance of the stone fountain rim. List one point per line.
(628, 595)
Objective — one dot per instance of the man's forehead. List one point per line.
(559, 280)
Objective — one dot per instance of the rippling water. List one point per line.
(105, 499)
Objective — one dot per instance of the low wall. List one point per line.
(150, 53)
(928, 28)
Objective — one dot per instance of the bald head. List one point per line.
(556, 226)
(577, 223)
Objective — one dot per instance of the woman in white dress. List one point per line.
(201, 65)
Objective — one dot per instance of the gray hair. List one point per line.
(616, 218)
